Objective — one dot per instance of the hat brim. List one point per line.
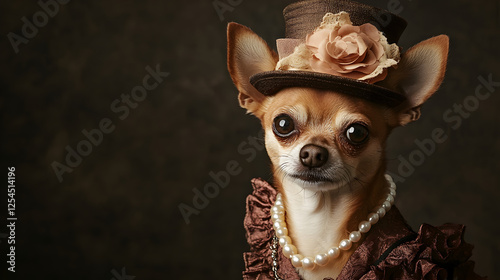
(270, 82)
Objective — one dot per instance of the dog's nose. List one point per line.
(313, 156)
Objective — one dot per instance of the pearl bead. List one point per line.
(381, 212)
(297, 260)
(289, 250)
(278, 209)
(321, 259)
(364, 226)
(333, 253)
(279, 224)
(278, 202)
(355, 236)
(277, 216)
(373, 218)
(386, 205)
(345, 244)
(282, 231)
(284, 240)
(308, 263)
(392, 192)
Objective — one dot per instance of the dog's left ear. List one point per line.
(418, 75)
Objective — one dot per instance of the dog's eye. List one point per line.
(357, 133)
(283, 125)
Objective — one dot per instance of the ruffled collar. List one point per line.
(391, 249)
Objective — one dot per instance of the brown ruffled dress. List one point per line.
(391, 250)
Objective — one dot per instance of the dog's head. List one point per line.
(322, 139)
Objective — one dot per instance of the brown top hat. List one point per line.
(338, 45)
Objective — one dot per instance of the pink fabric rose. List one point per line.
(349, 51)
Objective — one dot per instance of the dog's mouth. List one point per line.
(313, 177)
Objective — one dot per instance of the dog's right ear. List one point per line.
(418, 76)
(247, 54)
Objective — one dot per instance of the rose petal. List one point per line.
(365, 69)
(337, 49)
(368, 63)
(363, 45)
(378, 50)
(317, 37)
(371, 31)
(353, 46)
(370, 58)
(346, 29)
(360, 58)
(322, 53)
(333, 35)
(324, 67)
(349, 59)
(368, 41)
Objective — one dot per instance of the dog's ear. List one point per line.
(418, 75)
(247, 54)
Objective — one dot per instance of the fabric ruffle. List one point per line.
(259, 234)
(436, 253)
(391, 249)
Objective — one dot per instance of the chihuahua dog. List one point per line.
(327, 149)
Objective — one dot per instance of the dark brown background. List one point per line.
(119, 207)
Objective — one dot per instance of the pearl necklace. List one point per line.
(309, 263)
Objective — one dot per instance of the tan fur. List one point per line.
(339, 207)
(247, 54)
(418, 75)
(320, 215)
